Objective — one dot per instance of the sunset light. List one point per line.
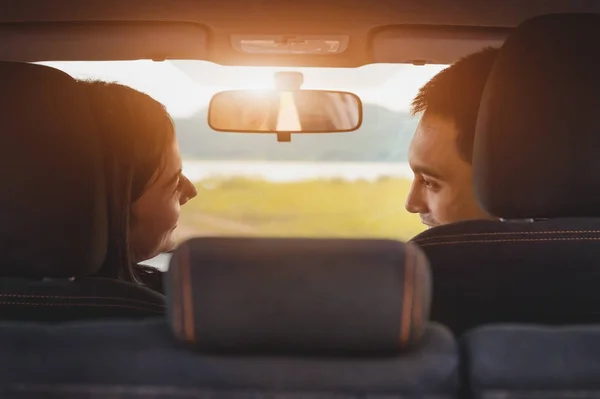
(186, 86)
(336, 185)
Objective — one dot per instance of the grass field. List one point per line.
(318, 208)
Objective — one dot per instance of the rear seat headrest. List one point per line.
(538, 133)
(52, 205)
(323, 296)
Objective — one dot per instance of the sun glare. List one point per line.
(258, 94)
(288, 119)
(255, 78)
(185, 87)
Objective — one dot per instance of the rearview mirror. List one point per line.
(285, 112)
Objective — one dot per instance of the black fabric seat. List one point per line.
(254, 318)
(60, 300)
(53, 230)
(125, 359)
(535, 158)
(488, 272)
(523, 362)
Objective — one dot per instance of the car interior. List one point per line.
(304, 313)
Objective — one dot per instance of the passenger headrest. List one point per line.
(52, 205)
(538, 133)
(286, 296)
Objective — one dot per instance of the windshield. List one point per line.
(321, 185)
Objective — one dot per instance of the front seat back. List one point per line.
(536, 166)
(53, 229)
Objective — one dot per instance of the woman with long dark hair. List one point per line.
(144, 181)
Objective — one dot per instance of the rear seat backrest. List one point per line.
(259, 318)
(523, 362)
(53, 204)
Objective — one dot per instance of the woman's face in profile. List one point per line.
(155, 214)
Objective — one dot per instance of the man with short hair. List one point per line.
(441, 150)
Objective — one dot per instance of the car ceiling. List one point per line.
(433, 31)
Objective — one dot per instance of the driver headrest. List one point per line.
(52, 205)
(537, 141)
(307, 296)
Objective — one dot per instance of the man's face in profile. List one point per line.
(442, 189)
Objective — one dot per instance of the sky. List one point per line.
(184, 87)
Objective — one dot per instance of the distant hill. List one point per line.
(383, 137)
